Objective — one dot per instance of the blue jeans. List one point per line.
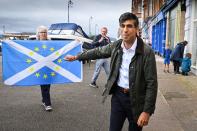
(100, 63)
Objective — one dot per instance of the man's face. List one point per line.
(128, 31)
(103, 32)
(43, 35)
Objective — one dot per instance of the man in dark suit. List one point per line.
(132, 79)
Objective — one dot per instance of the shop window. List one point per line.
(171, 33)
(195, 14)
(194, 47)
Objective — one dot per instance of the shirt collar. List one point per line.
(132, 48)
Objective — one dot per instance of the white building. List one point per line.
(191, 32)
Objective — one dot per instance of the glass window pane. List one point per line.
(194, 46)
(195, 14)
(67, 32)
(55, 31)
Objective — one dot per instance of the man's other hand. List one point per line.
(143, 119)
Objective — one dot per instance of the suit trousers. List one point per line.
(45, 91)
(120, 110)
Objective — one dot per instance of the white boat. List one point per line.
(63, 31)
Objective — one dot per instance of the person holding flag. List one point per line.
(41, 34)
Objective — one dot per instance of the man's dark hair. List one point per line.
(129, 16)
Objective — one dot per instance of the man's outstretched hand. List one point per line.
(70, 58)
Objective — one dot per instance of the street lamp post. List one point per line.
(3, 29)
(96, 25)
(70, 3)
(90, 25)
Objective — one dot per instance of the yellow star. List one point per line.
(52, 49)
(28, 61)
(59, 60)
(44, 47)
(52, 73)
(45, 76)
(31, 69)
(31, 53)
(36, 49)
(37, 75)
(57, 54)
(57, 68)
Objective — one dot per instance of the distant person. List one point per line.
(177, 56)
(45, 89)
(167, 54)
(186, 64)
(99, 41)
(132, 81)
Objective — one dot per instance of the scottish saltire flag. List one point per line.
(30, 62)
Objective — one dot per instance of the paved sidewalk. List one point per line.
(163, 119)
(78, 107)
(180, 92)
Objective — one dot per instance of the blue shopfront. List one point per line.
(159, 34)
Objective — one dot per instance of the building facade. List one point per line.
(191, 31)
(168, 22)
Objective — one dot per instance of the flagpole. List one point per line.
(90, 19)
(68, 11)
(70, 3)
(3, 29)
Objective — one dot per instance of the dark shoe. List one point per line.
(93, 85)
(185, 73)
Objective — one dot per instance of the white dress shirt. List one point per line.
(123, 80)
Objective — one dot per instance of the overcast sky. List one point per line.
(26, 15)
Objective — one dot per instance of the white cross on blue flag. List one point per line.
(30, 62)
